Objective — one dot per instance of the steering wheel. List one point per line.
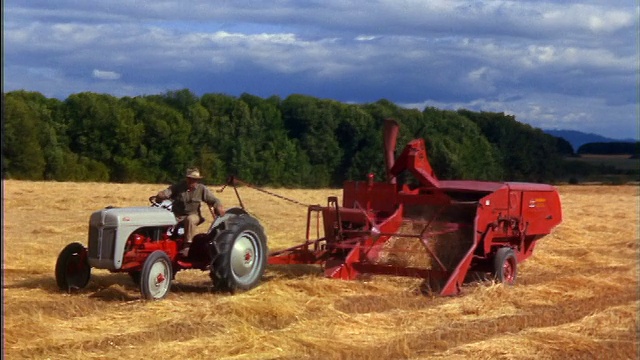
(165, 204)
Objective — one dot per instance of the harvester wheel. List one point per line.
(155, 278)
(239, 254)
(72, 268)
(505, 266)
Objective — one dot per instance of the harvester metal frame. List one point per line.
(501, 223)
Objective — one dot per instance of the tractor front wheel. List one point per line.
(72, 268)
(240, 254)
(505, 266)
(155, 278)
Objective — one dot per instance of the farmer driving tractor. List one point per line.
(187, 196)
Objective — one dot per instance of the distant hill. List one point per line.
(577, 138)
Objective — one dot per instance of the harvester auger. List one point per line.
(460, 226)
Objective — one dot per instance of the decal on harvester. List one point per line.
(540, 202)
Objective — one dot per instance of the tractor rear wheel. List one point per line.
(155, 278)
(72, 268)
(505, 266)
(239, 254)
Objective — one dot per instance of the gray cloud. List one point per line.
(552, 64)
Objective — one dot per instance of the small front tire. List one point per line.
(156, 275)
(72, 268)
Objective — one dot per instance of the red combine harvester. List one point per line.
(455, 226)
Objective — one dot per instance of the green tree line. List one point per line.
(611, 148)
(298, 141)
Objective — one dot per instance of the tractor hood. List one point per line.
(110, 228)
(147, 216)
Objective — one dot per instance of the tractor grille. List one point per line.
(102, 242)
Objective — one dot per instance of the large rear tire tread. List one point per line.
(72, 268)
(239, 254)
(156, 276)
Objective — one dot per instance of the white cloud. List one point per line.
(105, 75)
(597, 19)
(365, 38)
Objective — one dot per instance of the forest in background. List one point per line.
(299, 141)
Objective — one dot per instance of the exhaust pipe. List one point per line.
(390, 137)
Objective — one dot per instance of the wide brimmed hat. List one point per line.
(193, 173)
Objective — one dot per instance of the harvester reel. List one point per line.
(72, 268)
(240, 254)
(505, 266)
(156, 275)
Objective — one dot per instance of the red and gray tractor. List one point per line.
(145, 242)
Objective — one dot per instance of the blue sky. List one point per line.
(553, 64)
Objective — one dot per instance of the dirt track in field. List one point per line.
(576, 297)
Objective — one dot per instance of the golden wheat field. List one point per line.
(576, 297)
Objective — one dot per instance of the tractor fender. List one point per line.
(219, 222)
